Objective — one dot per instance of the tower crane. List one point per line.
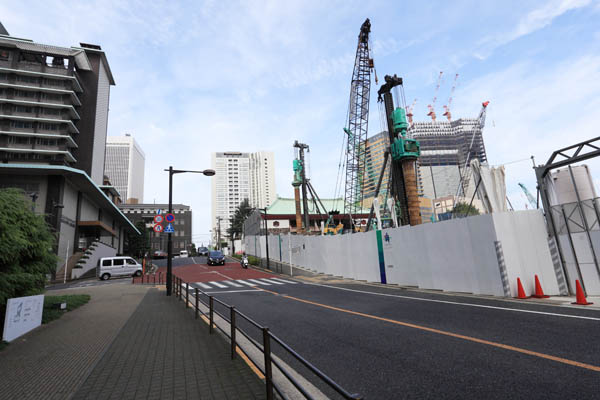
(358, 120)
(447, 113)
(409, 112)
(431, 106)
(532, 201)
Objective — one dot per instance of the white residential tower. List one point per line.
(124, 166)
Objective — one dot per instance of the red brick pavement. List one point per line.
(204, 273)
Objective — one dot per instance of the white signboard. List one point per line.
(22, 315)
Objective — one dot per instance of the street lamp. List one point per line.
(207, 172)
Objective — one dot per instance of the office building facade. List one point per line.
(124, 166)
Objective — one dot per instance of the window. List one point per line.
(118, 262)
(106, 263)
(131, 261)
(4, 55)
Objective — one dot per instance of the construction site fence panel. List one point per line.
(460, 255)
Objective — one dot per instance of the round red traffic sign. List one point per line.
(170, 217)
(158, 228)
(158, 219)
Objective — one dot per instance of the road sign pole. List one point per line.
(169, 239)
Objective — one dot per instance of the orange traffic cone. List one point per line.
(521, 291)
(539, 293)
(581, 300)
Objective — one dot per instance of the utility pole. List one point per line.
(266, 236)
(219, 233)
(301, 147)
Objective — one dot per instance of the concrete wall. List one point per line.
(457, 255)
(99, 250)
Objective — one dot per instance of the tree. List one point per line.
(237, 221)
(462, 210)
(139, 245)
(26, 247)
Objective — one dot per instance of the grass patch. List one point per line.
(73, 301)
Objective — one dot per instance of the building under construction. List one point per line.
(446, 146)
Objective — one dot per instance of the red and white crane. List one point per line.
(409, 111)
(431, 106)
(447, 113)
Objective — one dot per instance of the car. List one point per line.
(109, 267)
(183, 253)
(159, 254)
(216, 257)
(203, 251)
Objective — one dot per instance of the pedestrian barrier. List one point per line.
(209, 301)
(150, 279)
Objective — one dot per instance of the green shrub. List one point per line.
(238, 256)
(73, 301)
(254, 260)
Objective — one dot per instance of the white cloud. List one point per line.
(533, 21)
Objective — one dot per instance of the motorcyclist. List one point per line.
(244, 261)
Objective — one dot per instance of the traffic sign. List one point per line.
(158, 228)
(159, 211)
(158, 219)
(170, 217)
(169, 228)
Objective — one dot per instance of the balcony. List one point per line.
(74, 100)
(69, 142)
(70, 126)
(40, 152)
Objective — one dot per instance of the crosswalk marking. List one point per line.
(245, 283)
(217, 284)
(232, 283)
(272, 281)
(283, 280)
(259, 282)
(203, 286)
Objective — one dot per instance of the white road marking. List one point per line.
(259, 282)
(237, 291)
(272, 281)
(194, 261)
(283, 280)
(203, 286)
(245, 283)
(232, 283)
(217, 284)
(457, 303)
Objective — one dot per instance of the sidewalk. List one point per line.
(129, 341)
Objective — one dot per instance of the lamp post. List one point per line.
(266, 235)
(207, 172)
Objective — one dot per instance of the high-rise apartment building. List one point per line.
(375, 148)
(124, 166)
(240, 176)
(262, 179)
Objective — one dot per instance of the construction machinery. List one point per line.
(431, 106)
(358, 120)
(300, 181)
(404, 152)
(447, 112)
(530, 199)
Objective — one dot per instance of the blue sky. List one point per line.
(194, 77)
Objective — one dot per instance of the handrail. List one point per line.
(179, 286)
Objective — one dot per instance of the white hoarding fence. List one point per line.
(22, 315)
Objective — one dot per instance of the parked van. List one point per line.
(183, 253)
(109, 267)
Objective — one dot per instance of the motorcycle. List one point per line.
(244, 263)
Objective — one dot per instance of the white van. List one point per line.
(117, 266)
(183, 253)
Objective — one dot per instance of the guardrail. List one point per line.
(265, 347)
(150, 279)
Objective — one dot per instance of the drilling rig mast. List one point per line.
(358, 120)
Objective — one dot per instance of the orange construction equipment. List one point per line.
(539, 293)
(581, 300)
(521, 291)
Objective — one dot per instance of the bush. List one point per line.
(254, 260)
(238, 256)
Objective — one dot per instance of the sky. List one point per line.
(196, 77)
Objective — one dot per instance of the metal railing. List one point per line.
(264, 347)
(153, 279)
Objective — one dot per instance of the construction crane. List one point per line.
(431, 106)
(404, 152)
(358, 120)
(532, 201)
(447, 113)
(409, 112)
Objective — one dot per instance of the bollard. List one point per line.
(232, 324)
(154, 279)
(210, 313)
(268, 372)
(197, 309)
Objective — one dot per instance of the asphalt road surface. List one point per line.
(395, 344)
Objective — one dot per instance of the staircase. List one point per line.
(86, 266)
(69, 265)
